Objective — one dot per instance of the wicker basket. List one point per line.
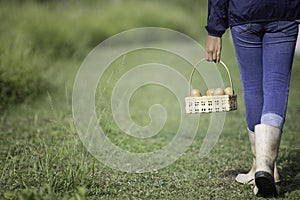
(208, 104)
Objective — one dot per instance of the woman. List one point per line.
(264, 35)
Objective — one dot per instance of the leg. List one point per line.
(248, 46)
(278, 51)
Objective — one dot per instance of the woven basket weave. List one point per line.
(208, 104)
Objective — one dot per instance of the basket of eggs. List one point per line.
(215, 100)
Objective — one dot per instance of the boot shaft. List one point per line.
(267, 141)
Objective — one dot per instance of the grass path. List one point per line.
(42, 157)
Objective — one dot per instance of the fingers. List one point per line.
(213, 54)
(210, 55)
(218, 56)
(213, 49)
(209, 51)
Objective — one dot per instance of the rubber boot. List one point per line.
(267, 141)
(249, 177)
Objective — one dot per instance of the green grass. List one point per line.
(41, 155)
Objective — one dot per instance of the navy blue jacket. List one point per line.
(225, 13)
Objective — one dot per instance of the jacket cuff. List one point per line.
(214, 32)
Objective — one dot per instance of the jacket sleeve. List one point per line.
(217, 20)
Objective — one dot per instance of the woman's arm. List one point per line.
(217, 19)
(217, 23)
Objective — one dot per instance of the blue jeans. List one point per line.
(265, 54)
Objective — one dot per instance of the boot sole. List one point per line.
(265, 184)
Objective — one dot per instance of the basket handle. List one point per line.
(203, 59)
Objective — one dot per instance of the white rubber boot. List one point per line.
(249, 177)
(267, 141)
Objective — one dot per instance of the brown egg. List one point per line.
(228, 91)
(195, 93)
(210, 92)
(219, 91)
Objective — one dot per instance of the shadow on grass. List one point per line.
(289, 163)
(233, 173)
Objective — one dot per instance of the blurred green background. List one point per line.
(38, 37)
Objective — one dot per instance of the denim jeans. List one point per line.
(265, 54)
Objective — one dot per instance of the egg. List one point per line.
(210, 92)
(195, 93)
(228, 91)
(219, 91)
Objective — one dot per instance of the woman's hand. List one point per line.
(213, 48)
